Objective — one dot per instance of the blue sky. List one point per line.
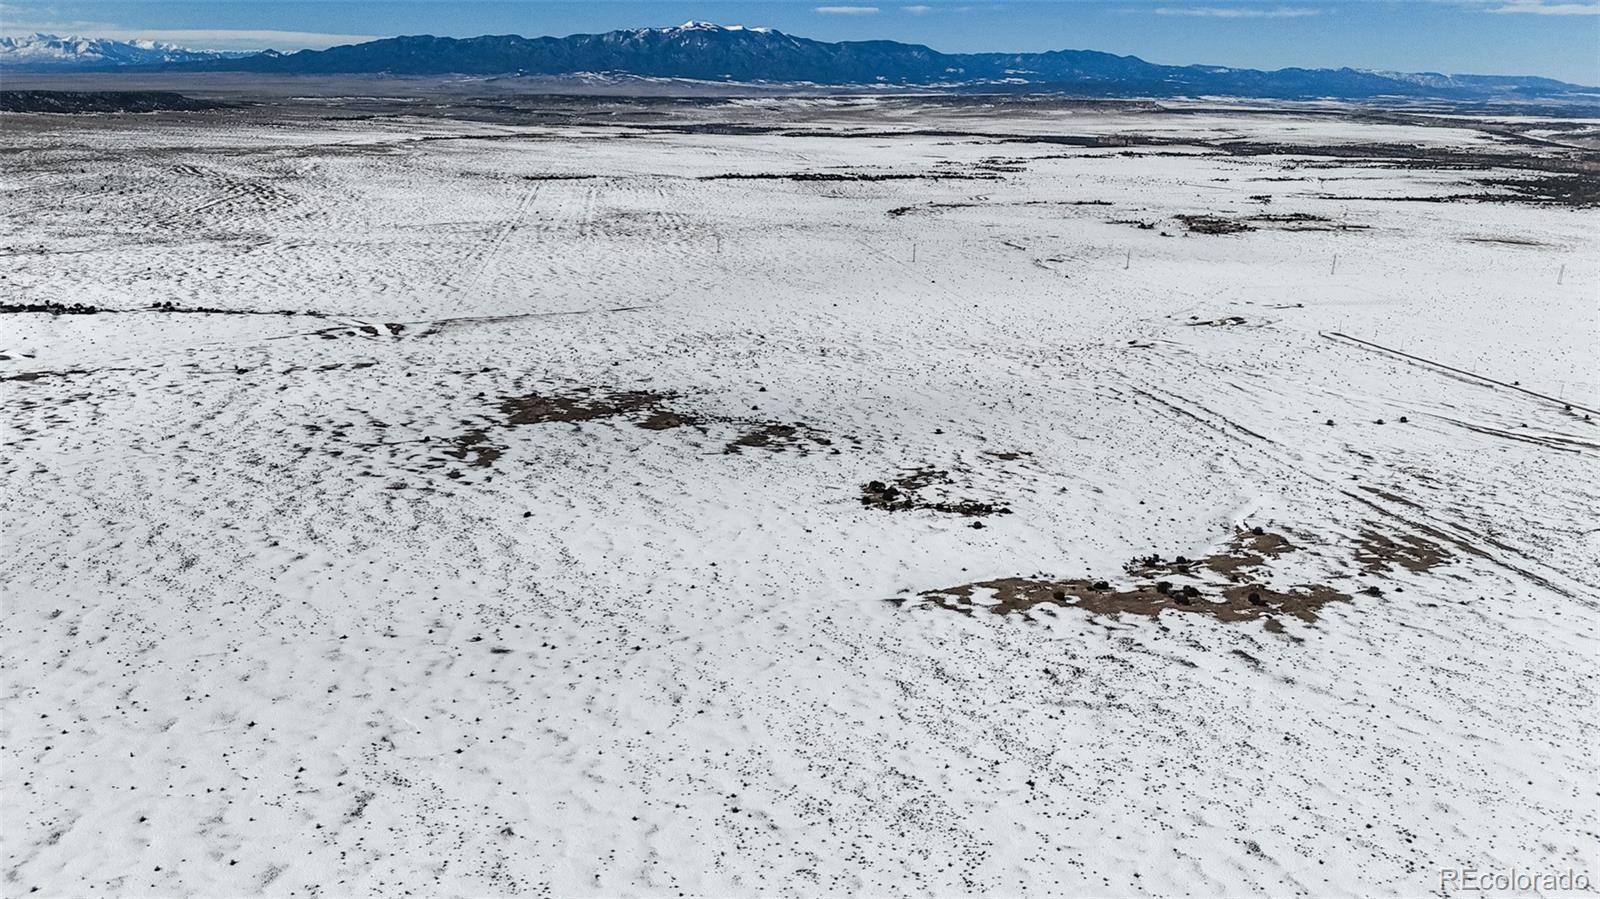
(1556, 38)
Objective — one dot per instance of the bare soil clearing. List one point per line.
(905, 493)
(777, 437)
(476, 445)
(1230, 584)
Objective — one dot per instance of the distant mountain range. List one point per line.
(49, 52)
(698, 50)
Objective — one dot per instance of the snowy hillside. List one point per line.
(908, 498)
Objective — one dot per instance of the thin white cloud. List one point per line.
(917, 10)
(240, 38)
(847, 10)
(1238, 12)
(1541, 8)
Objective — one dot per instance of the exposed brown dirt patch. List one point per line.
(1239, 602)
(1246, 549)
(1213, 224)
(477, 447)
(1302, 221)
(666, 419)
(584, 405)
(1231, 584)
(1292, 221)
(1390, 496)
(1378, 553)
(904, 493)
(777, 437)
(473, 447)
(1234, 583)
(852, 176)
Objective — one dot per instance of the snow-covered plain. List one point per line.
(294, 604)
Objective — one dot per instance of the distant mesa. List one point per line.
(734, 53)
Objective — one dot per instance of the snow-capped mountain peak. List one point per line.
(692, 25)
(73, 51)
